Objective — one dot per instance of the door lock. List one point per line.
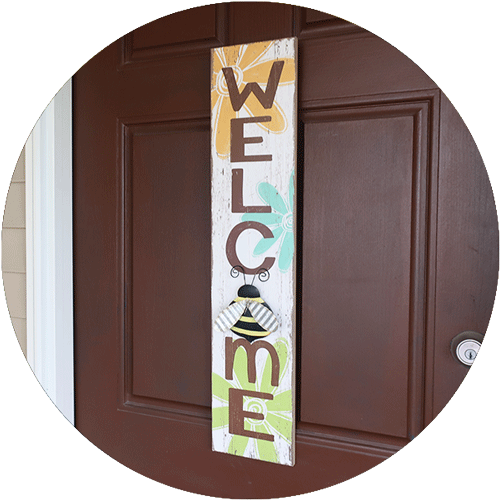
(465, 346)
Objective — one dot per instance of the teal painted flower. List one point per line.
(277, 412)
(280, 221)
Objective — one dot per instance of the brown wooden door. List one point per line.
(397, 250)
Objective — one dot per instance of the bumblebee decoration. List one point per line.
(248, 315)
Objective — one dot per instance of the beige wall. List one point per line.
(14, 251)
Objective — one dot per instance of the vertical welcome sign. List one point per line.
(253, 144)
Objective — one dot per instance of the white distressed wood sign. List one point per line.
(253, 148)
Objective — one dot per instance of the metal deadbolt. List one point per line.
(467, 351)
(465, 346)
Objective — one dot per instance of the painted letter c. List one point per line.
(231, 245)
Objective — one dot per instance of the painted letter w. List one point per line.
(265, 98)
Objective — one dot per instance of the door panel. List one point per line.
(352, 260)
(377, 289)
(350, 59)
(366, 202)
(275, 21)
(189, 31)
(187, 26)
(467, 249)
(169, 259)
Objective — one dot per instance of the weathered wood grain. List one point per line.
(253, 190)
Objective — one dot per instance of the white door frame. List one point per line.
(49, 252)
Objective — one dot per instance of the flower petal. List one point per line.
(286, 252)
(278, 123)
(222, 130)
(259, 72)
(215, 98)
(265, 380)
(266, 243)
(241, 370)
(281, 423)
(270, 195)
(291, 191)
(219, 61)
(232, 55)
(253, 53)
(220, 387)
(281, 402)
(220, 417)
(269, 219)
(238, 445)
(266, 449)
(281, 346)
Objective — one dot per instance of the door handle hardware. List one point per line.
(465, 346)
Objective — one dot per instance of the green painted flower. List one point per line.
(277, 412)
(280, 221)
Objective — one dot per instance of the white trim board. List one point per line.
(49, 252)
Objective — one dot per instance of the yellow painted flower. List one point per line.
(250, 63)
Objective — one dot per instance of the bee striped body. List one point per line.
(247, 315)
(247, 326)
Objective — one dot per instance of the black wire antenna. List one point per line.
(262, 273)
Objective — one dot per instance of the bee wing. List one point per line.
(263, 316)
(230, 315)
